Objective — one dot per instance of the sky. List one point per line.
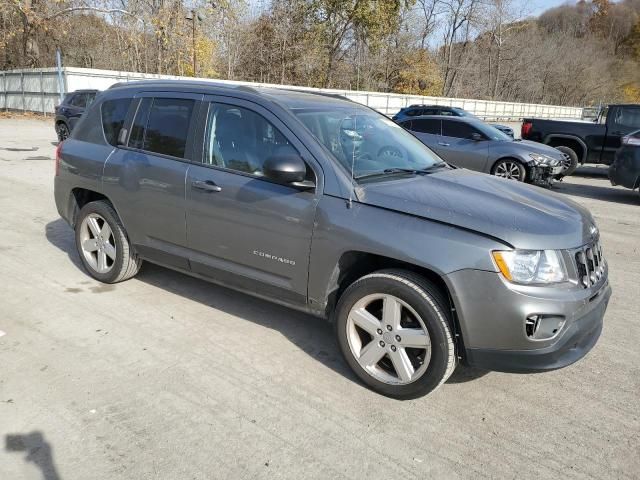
(536, 7)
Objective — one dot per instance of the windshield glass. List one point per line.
(367, 141)
(492, 133)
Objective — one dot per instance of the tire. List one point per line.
(102, 244)
(424, 320)
(573, 160)
(510, 169)
(62, 131)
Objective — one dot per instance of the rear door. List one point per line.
(243, 229)
(459, 148)
(146, 177)
(427, 130)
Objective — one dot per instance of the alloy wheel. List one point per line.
(63, 132)
(388, 339)
(510, 170)
(97, 243)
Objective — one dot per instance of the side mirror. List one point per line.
(477, 137)
(288, 168)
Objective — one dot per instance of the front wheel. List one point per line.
(103, 245)
(393, 329)
(510, 169)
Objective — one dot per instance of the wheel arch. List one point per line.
(355, 264)
(514, 158)
(570, 141)
(79, 197)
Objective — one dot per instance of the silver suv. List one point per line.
(326, 206)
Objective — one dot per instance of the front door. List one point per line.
(244, 230)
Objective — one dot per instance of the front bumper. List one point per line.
(492, 313)
(543, 174)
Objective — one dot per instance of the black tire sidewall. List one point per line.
(573, 156)
(104, 211)
(59, 131)
(440, 345)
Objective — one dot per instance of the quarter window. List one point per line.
(240, 139)
(113, 115)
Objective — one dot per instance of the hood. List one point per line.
(521, 215)
(528, 146)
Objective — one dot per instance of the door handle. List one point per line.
(444, 144)
(207, 186)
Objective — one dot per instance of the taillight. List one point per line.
(631, 140)
(526, 129)
(58, 154)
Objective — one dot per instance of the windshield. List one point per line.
(492, 133)
(366, 141)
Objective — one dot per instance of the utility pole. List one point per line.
(194, 15)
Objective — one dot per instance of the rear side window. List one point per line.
(162, 126)
(457, 129)
(113, 114)
(426, 125)
(627, 117)
(79, 100)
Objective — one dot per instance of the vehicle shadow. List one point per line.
(592, 171)
(597, 192)
(311, 334)
(38, 451)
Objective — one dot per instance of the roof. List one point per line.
(287, 97)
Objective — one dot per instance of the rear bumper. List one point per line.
(576, 342)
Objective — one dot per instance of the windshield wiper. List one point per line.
(396, 170)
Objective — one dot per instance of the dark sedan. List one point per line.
(625, 169)
(470, 143)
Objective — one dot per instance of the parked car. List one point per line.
(586, 142)
(279, 194)
(70, 110)
(469, 143)
(422, 110)
(625, 169)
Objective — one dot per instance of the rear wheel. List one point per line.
(103, 245)
(510, 169)
(572, 160)
(393, 329)
(62, 130)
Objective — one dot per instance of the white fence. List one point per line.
(37, 90)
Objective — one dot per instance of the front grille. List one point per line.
(590, 264)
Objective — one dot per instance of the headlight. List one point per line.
(531, 266)
(544, 159)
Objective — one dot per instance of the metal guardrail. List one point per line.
(38, 90)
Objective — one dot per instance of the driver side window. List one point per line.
(239, 139)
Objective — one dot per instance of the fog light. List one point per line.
(543, 327)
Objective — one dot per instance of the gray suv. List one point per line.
(326, 206)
